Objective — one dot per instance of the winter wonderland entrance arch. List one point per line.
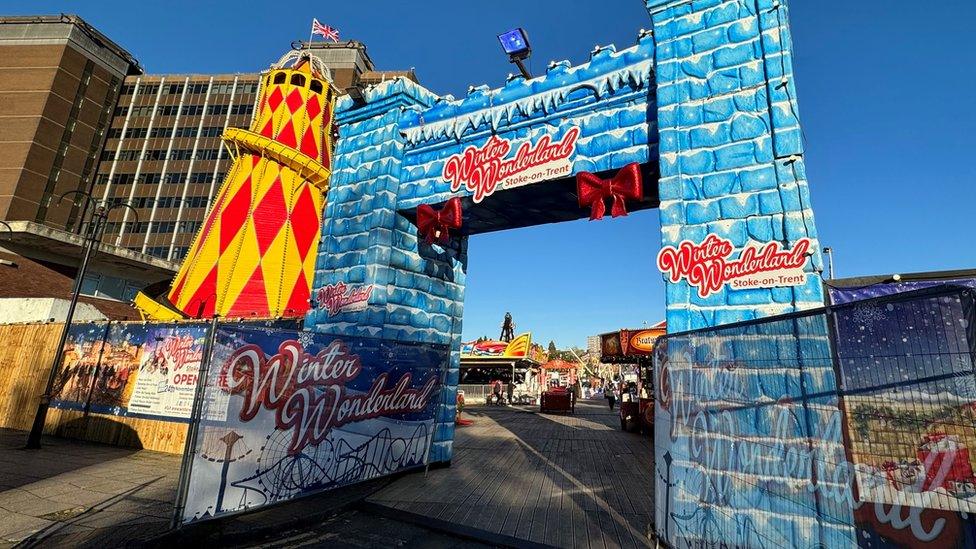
(704, 103)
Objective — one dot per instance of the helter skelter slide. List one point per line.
(254, 256)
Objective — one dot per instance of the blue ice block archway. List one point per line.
(705, 102)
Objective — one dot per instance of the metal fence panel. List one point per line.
(840, 427)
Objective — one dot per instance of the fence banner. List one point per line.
(130, 369)
(840, 427)
(100, 366)
(288, 413)
(168, 371)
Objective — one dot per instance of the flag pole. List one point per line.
(311, 33)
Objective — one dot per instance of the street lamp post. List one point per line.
(829, 252)
(93, 236)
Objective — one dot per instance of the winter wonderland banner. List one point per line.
(286, 414)
(840, 428)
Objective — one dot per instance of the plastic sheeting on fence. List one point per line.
(840, 427)
(285, 414)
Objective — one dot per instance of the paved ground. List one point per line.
(72, 493)
(357, 528)
(567, 481)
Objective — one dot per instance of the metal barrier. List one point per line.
(838, 427)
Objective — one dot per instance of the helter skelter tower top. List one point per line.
(254, 256)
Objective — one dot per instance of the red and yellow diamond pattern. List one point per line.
(254, 257)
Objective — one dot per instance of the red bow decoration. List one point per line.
(592, 190)
(435, 225)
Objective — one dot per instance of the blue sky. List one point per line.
(885, 99)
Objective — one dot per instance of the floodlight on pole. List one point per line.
(515, 44)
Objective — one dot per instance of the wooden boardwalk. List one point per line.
(565, 481)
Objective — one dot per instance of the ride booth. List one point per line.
(633, 352)
(514, 363)
(560, 381)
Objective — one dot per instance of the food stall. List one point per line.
(633, 352)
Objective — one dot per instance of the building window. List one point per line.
(188, 227)
(128, 156)
(175, 178)
(124, 178)
(107, 155)
(217, 109)
(114, 133)
(186, 131)
(127, 89)
(200, 177)
(155, 154)
(192, 110)
(242, 109)
(150, 178)
(158, 251)
(130, 291)
(223, 88)
(175, 89)
(166, 110)
(149, 89)
(136, 133)
(144, 110)
(90, 284)
(211, 131)
(120, 111)
(161, 132)
(198, 88)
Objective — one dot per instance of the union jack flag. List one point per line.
(325, 31)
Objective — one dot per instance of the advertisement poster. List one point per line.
(167, 377)
(99, 368)
(289, 413)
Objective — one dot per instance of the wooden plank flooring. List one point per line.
(565, 481)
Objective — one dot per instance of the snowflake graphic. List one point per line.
(306, 339)
(866, 316)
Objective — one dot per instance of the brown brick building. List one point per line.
(59, 81)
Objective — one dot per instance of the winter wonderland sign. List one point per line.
(483, 170)
(337, 298)
(709, 266)
(301, 413)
